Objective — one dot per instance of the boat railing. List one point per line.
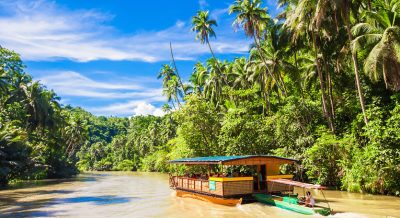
(188, 183)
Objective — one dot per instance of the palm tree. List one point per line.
(203, 26)
(176, 70)
(254, 20)
(381, 31)
(215, 82)
(199, 77)
(76, 133)
(343, 8)
(166, 72)
(171, 84)
(38, 105)
(302, 23)
(173, 90)
(166, 108)
(240, 74)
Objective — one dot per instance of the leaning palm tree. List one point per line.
(171, 84)
(174, 89)
(203, 26)
(381, 31)
(166, 72)
(254, 20)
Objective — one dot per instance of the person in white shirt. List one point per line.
(310, 202)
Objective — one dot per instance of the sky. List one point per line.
(105, 55)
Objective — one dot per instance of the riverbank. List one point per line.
(138, 194)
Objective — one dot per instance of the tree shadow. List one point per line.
(36, 208)
(28, 209)
(30, 213)
(97, 200)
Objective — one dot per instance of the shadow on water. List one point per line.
(27, 213)
(49, 182)
(37, 208)
(7, 199)
(98, 200)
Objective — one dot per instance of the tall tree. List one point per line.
(302, 23)
(381, 31)
(203, 26)
(171, 84)
(254, 20)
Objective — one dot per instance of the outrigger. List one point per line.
(267, 185)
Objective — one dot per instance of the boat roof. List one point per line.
(233, 160)
(297, 184)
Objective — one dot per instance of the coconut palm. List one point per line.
(166, 72)
(171, 85)
(199, 77)
(302, 24)
(381, 32)
(184, 89)
(173, 89)
(254, 20)
(38, 105)
(239, 74)
(215, 82)
(75, 134)
(203, 26)
(333, 10)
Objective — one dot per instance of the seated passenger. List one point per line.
(310, 202)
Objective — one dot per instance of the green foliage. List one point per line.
(320, 85)
(323, 159)
(199, 126)
(375, 166)
(38, 137)
(125, 165)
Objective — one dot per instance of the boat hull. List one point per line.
(207, 198)
(268, 199)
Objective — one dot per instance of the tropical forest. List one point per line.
(320, 83)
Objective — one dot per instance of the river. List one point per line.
(132, 194)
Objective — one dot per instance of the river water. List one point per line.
(132, 194)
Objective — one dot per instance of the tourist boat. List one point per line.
(285, 198)
(228, 190)
(268, 186)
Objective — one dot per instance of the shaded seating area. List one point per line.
(225, 182)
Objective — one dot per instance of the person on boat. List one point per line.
(310, 201)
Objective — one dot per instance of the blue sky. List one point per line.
(104, 55)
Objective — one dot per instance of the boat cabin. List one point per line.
(233, 185)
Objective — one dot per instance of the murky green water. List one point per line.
(117, 194)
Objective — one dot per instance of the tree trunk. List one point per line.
(212, 53)
(173, 105)
(322, 86)
(356, 72)
(330, 91)
(266, 65)
(176, 69)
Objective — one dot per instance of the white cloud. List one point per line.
(43, 31)
(134, 108)
(203, 4)
(136, 99)
(70, 83)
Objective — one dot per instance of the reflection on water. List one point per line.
(119, 194)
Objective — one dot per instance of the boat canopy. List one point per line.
(297, 184)
(234, 160)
